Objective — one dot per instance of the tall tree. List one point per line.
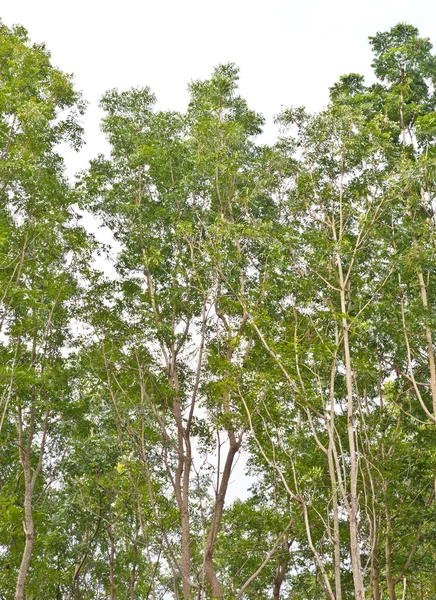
(182, 194)
(38, 109)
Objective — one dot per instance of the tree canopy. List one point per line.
(271, 309)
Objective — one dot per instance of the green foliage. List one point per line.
(269, 302)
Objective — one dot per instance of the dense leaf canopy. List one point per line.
(271, 310)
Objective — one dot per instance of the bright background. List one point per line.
(289, 51)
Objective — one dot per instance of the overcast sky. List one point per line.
(289, 51)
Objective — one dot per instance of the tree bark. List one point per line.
(281, 572)
(354, 500)
(29, 531)
(428, 335)
(181, 485)
(132, 581)
(375, 580)
(25, 451)
(111, 562)
(389, 579)
(336, 534)
(216, 519)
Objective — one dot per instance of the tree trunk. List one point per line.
(280, 574)
(29, 530)
(375, 581)
(389, 579)
(354, 500)
(111, 562)
(181, 485)
(25, 452)
(336, 535)
(132, 581)
(216, 519)
(428, 335)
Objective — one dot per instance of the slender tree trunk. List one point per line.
(181, 478)
(182, 485)
(403, 597)
(336, 534)
(428, 335)
(281, 573)
(389, 579)
(375, 580)
(182, 481)
(132, 581)
(234, 446)
(186, 543)
(216, 519)
(111, 562)
(25, 452)
(29, 530)
(354, 500)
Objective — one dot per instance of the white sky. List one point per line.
(289, 51)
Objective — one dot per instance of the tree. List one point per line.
(268, 302)
(38, 109)
(182, 193)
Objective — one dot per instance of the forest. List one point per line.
(268, 317)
